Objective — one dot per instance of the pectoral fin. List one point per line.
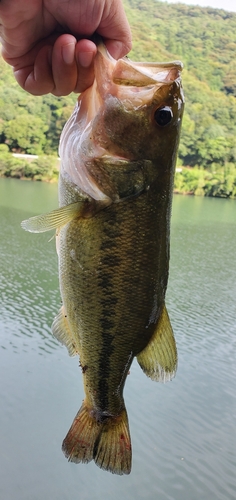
(54, 219)
(159, 358)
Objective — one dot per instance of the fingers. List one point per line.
(64, 67)
(59, 67)
(33, 73)
(72, 65)
(45, 61)
(85, 53)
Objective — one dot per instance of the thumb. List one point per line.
(115, 30)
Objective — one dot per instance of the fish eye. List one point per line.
(163, 116)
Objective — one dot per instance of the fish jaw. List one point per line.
(115, 118)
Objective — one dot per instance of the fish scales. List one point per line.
(118, 153)
(121, 250)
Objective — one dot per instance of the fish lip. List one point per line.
(142, 76)
(156, 72)
(168, 64)
(166, 72)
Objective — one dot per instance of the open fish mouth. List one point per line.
(125, 77)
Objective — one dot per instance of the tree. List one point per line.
(25, 134)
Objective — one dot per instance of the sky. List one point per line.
(217, 4)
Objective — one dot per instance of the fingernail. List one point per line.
(85, 58)
(116, 49)
(68, 53)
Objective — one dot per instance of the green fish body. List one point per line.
(118, 154)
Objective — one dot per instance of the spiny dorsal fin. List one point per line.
(54, 219)
(159, 358)
(61, 330)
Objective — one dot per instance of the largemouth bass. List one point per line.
(118, 153)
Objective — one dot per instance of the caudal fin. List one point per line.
(107, 442)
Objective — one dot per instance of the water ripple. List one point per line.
(183, 433)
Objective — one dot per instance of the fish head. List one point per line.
(142, 107)
(131, 113)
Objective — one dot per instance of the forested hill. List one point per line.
(203, 38)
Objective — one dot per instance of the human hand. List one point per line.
(45, 41)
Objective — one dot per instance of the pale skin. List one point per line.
(47, 41)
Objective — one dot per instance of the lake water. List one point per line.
(184, 432)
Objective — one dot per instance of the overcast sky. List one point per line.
(217, 4)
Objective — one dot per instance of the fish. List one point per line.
(118, 152)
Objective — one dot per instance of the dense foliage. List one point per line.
(205, 40)
(39, 168)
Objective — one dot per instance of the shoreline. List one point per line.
(188, 181)
(54, 180)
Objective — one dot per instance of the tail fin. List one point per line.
(107, 442)
(79, 442)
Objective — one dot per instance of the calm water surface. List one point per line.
(183, 433)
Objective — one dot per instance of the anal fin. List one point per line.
(61, 330)
(159, 358)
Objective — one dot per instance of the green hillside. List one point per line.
(205, 40)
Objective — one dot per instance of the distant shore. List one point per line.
(188, 180)
(29, 167)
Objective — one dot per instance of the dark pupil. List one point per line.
(163, 116)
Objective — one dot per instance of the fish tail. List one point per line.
(105, 440)
(112, 450)
(79, 442)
